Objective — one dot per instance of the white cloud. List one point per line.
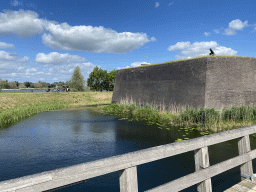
(153, 39)
(13, 67)
(22, 23)
(199, 49)
(135, 64)
(207, 34)
(157, 4)
(28, 71)
(234, 26)
(25, 24)
(10, 62)
(62, 36)
(179, 46)
(4, 45)
(216, 31)
(55, 58)
(237, 24)
(92, 39)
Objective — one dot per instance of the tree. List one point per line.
(77, 80)
(17, 83)
(60, 84)
(32, 85)
(6, 85)
(101, 80)
(38, 85)
(110, 80)
(27, 84)
(12, 85)
(21, 85)
(96, 77)
(1, 84)
(44, 84)
(68, 82)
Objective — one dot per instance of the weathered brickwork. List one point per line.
(203, 82)
(230, 81)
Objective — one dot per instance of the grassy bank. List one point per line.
(16, 114)
(17, 106)
(205, 120)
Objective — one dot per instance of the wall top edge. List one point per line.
(208, 58)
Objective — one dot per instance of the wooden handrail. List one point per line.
(127, 164)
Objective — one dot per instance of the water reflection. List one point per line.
(62, 138)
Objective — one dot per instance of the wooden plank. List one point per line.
(244, 186)
(231, 190)
(248, 183)
(80, 172)
(244, 147)
(199, 176)
(240, 188)
(202, 162)
(128, 180)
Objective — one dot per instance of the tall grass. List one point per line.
(15, 107)
(204, 119)
(15, 114)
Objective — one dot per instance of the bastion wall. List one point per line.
(201, 82)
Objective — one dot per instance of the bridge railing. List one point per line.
(127, 164)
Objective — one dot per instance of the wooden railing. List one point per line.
(127, 164)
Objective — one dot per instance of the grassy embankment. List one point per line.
(207, 121)
(17, 106)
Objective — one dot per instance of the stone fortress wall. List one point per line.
(201, 82)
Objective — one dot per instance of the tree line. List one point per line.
(99, 80)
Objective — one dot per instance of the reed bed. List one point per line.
(205, 120)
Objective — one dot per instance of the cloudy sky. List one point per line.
(46, 40)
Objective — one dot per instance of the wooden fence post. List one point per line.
(202, 161)
(128, 180)
(244, 147)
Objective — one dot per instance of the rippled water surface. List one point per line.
(62, 138)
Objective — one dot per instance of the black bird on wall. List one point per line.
(212, 53)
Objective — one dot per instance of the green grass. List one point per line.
(204, 120)
(15, 107)
(198, 57)
(15, 114)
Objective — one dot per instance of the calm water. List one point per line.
(57, 139)
(32, 90)
(25, 90)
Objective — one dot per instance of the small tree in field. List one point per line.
(77, 80)
(12, 85)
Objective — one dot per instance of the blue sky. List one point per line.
(46, 40)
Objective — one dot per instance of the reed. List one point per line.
(205, 120)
